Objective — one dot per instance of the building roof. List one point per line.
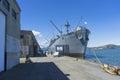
(29, 33)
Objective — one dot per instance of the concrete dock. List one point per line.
(57, 68)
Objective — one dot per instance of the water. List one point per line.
(108, 56)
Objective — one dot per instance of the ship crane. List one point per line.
(56, 27)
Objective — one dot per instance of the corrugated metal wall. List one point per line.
(13, 51)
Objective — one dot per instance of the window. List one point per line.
(60, 48)
(5, 4)
(22, 36)
(13, 14)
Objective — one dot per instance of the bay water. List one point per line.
(107, 56)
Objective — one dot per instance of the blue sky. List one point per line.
(102, 16)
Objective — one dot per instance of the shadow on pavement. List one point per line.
(34, 71)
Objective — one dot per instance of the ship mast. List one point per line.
(67, 26)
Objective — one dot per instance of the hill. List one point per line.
(109, 46)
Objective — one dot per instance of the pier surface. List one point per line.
(57, 68)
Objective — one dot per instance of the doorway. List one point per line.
(2, 41)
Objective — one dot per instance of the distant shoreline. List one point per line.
(109, 46)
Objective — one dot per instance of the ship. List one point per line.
(72, 43)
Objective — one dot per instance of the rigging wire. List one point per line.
(96, 56)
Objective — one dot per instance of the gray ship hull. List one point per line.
(71, 44)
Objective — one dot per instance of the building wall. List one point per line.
(12, 32)
(26, 45)
(29, 44)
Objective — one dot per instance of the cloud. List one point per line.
(36, 33)
(43, 42)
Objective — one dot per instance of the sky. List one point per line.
(102, 17)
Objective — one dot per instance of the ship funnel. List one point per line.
(67, 26)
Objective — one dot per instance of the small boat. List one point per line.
(110, 69)
(114, 70)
